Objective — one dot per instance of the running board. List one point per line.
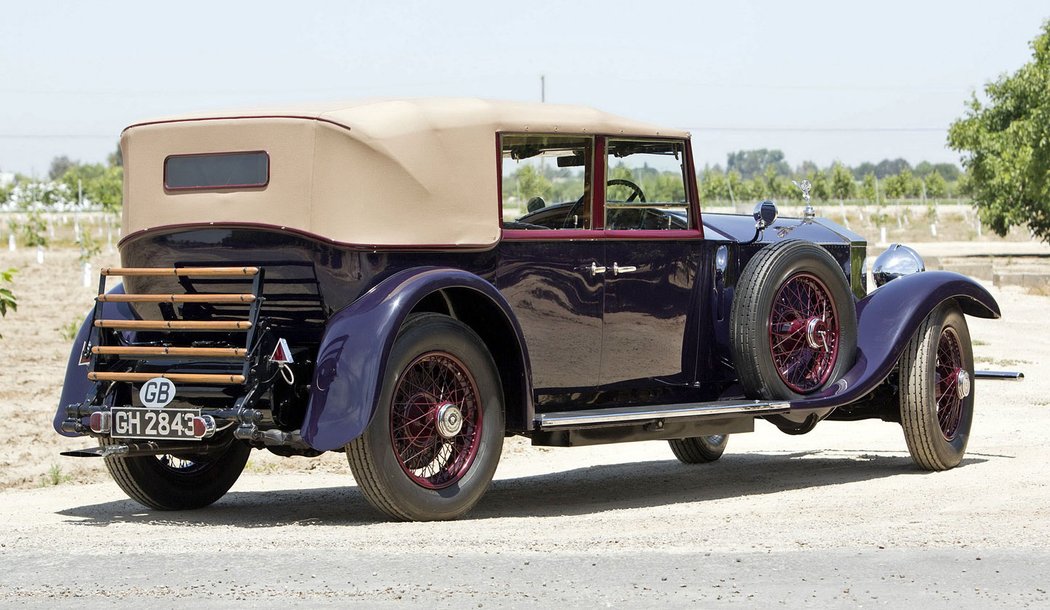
(629, 415)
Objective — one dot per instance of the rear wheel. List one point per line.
(432, 446)
(183, 482)
(699, 449)
(936, 390)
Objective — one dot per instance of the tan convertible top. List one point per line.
(378, 172)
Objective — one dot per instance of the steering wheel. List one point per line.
(636, 193)
(636, 190)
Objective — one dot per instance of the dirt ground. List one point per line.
(847, 491)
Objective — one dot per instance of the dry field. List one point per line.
(615, 525)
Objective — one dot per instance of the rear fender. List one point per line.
(351, 361)
(76, 388)
(886, 321)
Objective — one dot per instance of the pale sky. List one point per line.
(819, 80)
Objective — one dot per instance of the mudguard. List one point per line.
(76, 387)
(886, 321)
(352, 357)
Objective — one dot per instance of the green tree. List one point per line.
(735, 186)
(936, 186)
(116, 158)
(34, 230)
(713, 186)
(753, 163)
(899, 186)
(1006, 146)
(821, 190)
(869, 188)
(59, 166)
(531, 183)
(7, 298)
(842, 185)
(774, 185)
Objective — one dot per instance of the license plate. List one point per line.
(137, 422)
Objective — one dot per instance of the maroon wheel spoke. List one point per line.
(948, 369)
(435, 452)
(805, 355)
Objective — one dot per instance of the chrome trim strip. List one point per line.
(633, 414)
(999, 375)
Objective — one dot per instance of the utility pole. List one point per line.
(543, 88)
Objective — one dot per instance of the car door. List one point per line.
(552, 258)
(651, 254)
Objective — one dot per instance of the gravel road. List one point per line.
(838, 517)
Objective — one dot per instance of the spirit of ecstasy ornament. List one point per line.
(805, 186)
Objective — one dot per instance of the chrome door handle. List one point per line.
(595, 269)
(617, 269)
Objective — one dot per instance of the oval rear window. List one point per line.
(217, 171)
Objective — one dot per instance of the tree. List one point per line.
(7, 298)
(1005, 144)
(116, 158)
(899, 186)
(753, 163)
(936, 187)
(821, 185)
(59, 166)
(774, 186)
(842, 185)
(887, 168)
(869, 188)
(713, 185)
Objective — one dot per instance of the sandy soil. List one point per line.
(847, 489)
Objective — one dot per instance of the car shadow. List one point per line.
(578, 491)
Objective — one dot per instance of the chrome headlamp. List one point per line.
(897, 261)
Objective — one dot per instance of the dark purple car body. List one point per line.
(596, 334)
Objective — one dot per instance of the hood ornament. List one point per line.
(808, 213)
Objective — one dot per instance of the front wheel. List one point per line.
(432, 446)
(179, 482)
(699, 449)
(936, 390)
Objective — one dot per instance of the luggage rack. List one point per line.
(110, 346)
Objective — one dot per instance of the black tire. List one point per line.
(751, 328)
(424, 475)
(179, 482)
(699, 449)
(936, 408)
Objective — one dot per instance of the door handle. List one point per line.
(595, 269)
(617, 269)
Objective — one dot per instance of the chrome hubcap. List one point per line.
(962, 383)
(816, 331)
(449, 420)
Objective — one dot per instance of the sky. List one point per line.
(822, 81)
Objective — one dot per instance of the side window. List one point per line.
(546, 181)
(645, 187)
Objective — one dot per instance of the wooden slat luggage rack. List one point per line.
(101, 352)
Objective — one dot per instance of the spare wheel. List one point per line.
(793, 323)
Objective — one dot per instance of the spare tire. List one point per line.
(793, 323)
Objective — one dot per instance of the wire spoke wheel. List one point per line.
(435, 420)
(793, 326)
(936, 390)
(948, 371)
(432, 447)
(804, 333)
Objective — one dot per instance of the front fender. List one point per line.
(886, 321)
(76, 387)
(351, 361)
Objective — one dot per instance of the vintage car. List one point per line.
(412, 281)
